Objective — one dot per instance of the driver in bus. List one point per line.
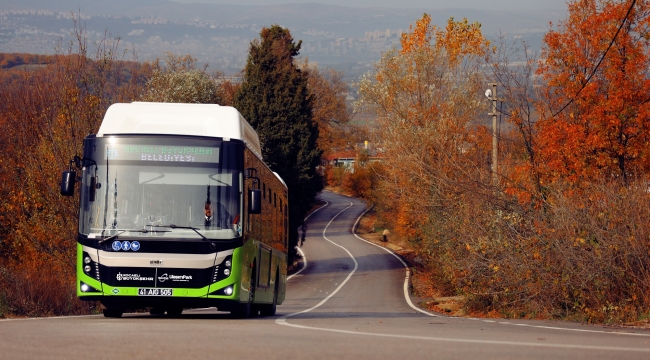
(210, 219)
(208, 209)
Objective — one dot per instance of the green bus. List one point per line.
(178, 210)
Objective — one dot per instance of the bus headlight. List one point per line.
(228, 263)
(87, 269)
(228, 290)
(226, 272)
(86, 288)
(87, 260)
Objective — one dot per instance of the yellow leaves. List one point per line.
(459, 39)
(420, 37)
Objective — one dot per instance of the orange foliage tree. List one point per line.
(329, 109)
(596, 127)
(576, 244)
(426, 96)
(45, 115)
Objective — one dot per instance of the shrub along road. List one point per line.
(348, 302)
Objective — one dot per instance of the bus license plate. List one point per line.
(155, 292)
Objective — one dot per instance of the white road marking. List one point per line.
(408, 298)
(304, 258)
(282, 321)
(408, 271)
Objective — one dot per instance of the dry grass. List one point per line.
(39, 289)
(582, 255)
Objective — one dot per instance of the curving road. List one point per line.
(348, 302)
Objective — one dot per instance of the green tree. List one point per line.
(274, 98)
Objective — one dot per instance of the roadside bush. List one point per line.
(583, 254)
(334, 175)
(360, 183)
(40, 288)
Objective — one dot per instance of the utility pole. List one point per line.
(495, 158)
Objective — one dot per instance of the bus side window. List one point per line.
(275, 200)
(264, 189)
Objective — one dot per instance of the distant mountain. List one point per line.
(94, 7)
(344, 20)
(347, 38)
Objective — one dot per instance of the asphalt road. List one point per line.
(348, 302)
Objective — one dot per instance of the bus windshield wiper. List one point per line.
(143, 231)
(172, 226)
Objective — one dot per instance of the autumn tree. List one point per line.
(328, 93)
(274, 97)
(45, 116)
(597, 116)
(577, 244)
(426, 95)
(178, 79)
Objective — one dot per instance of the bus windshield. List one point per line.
(161, 187)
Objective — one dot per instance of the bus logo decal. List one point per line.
(135, 246)
(117, 245)
(133, 277)
(126, 246)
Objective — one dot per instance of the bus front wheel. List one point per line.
(242, 311)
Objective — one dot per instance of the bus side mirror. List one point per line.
(67, 183)
(255, 201)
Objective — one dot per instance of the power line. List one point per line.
(600, 61)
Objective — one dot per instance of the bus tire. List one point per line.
(113, 313)
(174, 312)
(270, 309)
(157, 311)
(242, 311)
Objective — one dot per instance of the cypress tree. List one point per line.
(275, 100)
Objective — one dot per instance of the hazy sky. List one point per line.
(424, 4)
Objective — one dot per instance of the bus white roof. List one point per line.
(179, 119)
(279, 178)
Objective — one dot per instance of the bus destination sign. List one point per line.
(164, 153)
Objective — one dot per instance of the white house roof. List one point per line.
(178, 119)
